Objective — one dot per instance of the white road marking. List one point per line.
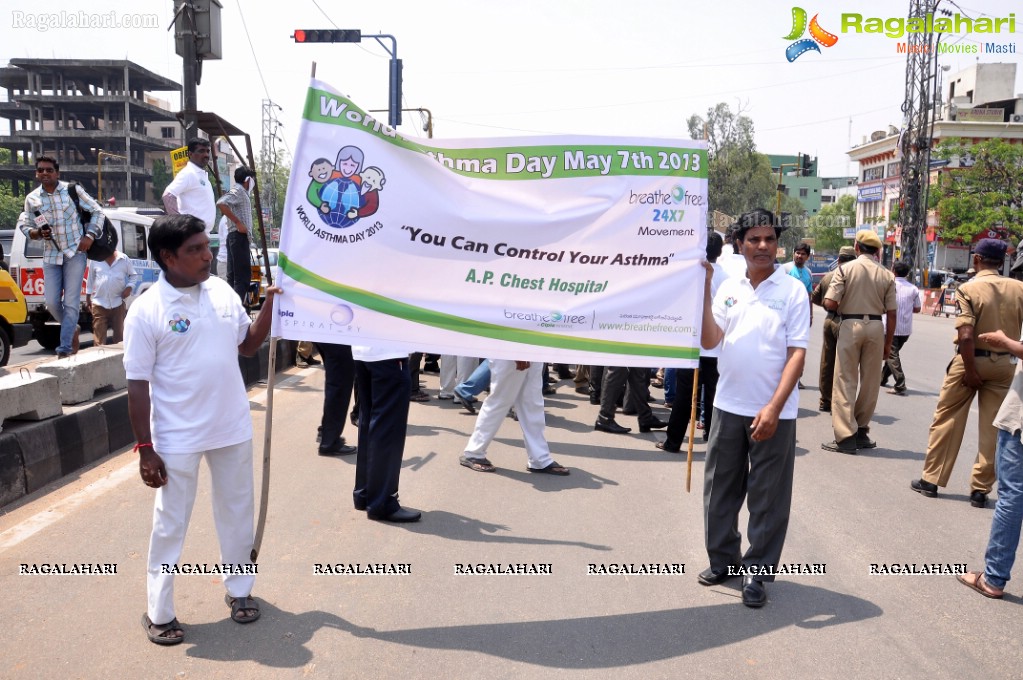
(41, 520)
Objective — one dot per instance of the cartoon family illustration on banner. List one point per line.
(344, 192)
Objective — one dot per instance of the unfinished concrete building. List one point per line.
(97, 117)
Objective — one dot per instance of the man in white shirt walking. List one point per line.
(110, 282)
(908, 301)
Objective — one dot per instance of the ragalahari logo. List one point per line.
(819, 35)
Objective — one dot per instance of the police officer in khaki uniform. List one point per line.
(862, 291)
(831, 323)
(989, 302)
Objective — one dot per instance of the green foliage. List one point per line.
(272, 173)
(986, 195)
(739, 178)
(798, 228)
(827, 226)
(162, 176)
(10, 205)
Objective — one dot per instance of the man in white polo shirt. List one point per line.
(762, 323)
(190, 192)
(186, 402)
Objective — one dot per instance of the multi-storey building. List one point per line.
(96, 117)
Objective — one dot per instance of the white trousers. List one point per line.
(524, 391)
(232, 496)
(454, 371)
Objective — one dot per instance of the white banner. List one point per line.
(556, 248)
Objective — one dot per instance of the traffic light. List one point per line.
(327, 36)
(805, 164)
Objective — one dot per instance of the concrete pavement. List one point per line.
(624, 503)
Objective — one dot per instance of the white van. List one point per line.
(26, 264)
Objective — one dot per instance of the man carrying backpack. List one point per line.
(51, 215)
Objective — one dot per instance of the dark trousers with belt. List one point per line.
(760, 473)
(383, 419)
(339, 377)
(678, 422)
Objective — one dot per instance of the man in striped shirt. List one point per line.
(909, 302)
(50, 216)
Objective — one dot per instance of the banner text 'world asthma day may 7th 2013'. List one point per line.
(554, 248)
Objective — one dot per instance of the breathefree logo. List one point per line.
(818, 35)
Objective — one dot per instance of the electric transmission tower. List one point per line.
(917, 129)
(268, 159)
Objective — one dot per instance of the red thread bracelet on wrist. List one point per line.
(139, 446)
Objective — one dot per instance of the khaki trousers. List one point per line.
(946, 434)
(858, 362)
(827, 376)
(103, 318)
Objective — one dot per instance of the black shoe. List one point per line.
(400, 515)
(548, 390)
(924, 488)
(611, 426)
(753, 593)
(312, 361)
(652, 424)
(338, 449)
(847, 445)
(594, 399)
(825, 408)
(978, 499)
(863, 441)
(709, 577)
(664, 447)
(465, 403)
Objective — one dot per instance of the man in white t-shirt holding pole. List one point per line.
(761, 322)
(187, 401)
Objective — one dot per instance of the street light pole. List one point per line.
(99, 172)
(429, 118)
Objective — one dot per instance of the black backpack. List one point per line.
(106, 243)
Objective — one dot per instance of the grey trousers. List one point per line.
(760, 473)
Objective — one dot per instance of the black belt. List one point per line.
(862, 317)
(987, 353)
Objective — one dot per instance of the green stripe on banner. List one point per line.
(514, 162)
(428, 317)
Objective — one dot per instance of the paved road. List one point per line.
(623, 503)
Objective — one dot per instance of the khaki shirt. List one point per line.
(863, 287)
(990, 302)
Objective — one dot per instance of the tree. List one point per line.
(827, 227)
(272, 173)
(162, 176)
(739, 178)
(10, 204)
(985, 195)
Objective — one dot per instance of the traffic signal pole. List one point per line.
(353, 36)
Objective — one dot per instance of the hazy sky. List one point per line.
(487, 69)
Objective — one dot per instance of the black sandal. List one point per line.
(157, 632)
(238, 604)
